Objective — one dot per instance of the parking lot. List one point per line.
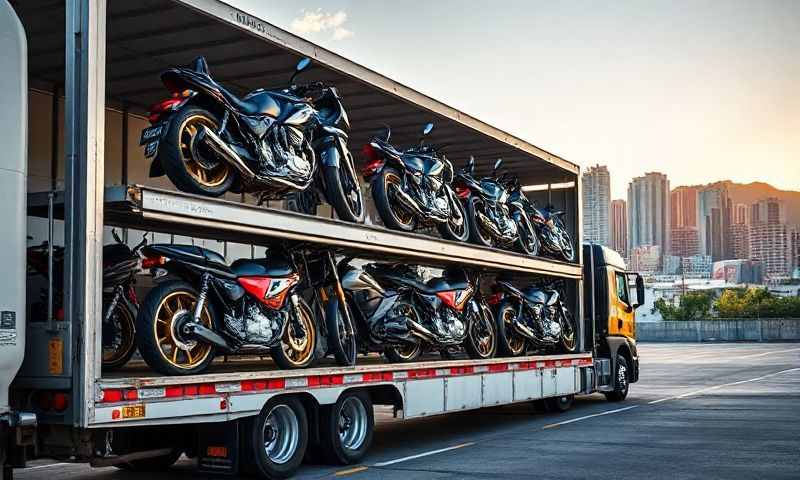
(698, 411)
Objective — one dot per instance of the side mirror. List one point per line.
(497, 165)
(301, 65)
(470, 165)
(387, 133)
(427, 129)
(639, 291)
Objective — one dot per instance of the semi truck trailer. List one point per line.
(78, 78)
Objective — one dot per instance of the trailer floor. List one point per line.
(699, 411)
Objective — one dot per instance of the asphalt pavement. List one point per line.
(699, 411)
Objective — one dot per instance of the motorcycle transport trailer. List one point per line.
(104, 63)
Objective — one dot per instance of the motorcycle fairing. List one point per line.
(456, 299)
(271, 291)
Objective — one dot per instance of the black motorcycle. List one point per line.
(494, 216)
(553, 235)
(268, 143)
(388, 308)
(120, 304)
(532, 317)
(204, 306)
(412, 188)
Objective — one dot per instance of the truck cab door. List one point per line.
(621, 310)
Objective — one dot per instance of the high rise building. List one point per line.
(648, 212)
(769, 238)
(646, 259)
(596, 204)
(740, 240)
(794, 251)
(684, 233)
(739, 214)
(619, 227)
(714, 206)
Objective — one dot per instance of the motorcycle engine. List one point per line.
(448, 325)
(258, 326)
(284, 151)
(551, 326)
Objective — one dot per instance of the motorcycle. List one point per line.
(495, 217)
(533, 316)
(388, 308)
(120, 304)
(553, 235)
(205, 305)
(209, 141)
(412, 188)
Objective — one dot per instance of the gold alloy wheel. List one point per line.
(173, 311)
(124, 340)
(485, 341)
(516, 342)
(402, 216)
(187, 133)
(298, 350)
(568, 339)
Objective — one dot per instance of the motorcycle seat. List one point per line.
(263, 267)
(200, 66)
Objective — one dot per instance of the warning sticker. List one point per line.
(8, 327)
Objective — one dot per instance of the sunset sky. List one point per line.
(699, 90)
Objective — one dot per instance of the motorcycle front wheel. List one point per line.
(119, 342)
(159, 333)
(189, 164)
(393, 215)
(528, 241)
(403, 353)
(481, 342)
(457, 226)
(569, 341)
(296, 348)
(476, 233)
(344, 192)
(342, 344)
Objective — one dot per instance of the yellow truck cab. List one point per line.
(612, 295)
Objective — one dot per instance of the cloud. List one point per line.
(318, 21)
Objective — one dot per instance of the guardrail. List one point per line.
(721, 330)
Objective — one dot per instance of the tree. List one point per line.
(692, 306)
(756, 303)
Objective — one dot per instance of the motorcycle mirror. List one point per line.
(470, 164)
(387, 133)
(115, 235)
(497, 164)
(427, 129)
(301, 65)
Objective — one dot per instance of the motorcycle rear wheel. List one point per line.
(528, 241)
(342, 345)
(451, 230)
(295, 351)
(568, 340)
(403, 354)
(158, 332)
(393, 216)
(509, 342)
(177, 153)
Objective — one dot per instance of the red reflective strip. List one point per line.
(422, 373)
(313, 381)
(566, 363)
(550, 364)
(173, 392)
(498, 367)
(372, 377)
(462, 370)
(254, 385)
(387, 376)
(190, 390)
(131, 395)
(276, 383)
(111, 396)
(207, 389)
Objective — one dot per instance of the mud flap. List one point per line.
(218, 448)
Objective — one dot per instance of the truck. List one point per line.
(76, 104)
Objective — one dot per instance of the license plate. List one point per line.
(151, 149)
(151, 133)
(133, 411)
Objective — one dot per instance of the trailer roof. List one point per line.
(244, 53)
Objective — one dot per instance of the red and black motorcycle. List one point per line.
(202, 305)
(389, 308)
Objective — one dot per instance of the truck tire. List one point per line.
(621, 381)
(559, 404)
(276, 439)
(346, 428)
(154, 464)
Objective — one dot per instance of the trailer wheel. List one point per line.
(559, 404)
(621, 381)
(278, 438)
(346, 428)
(154, 464)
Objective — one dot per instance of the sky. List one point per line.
(699, 90)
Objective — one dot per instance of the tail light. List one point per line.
(167, 105)
(374, 161)
(494, 298)
(150, 262)
(462, 192)
(49, 401)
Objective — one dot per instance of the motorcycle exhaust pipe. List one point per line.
(210, 138)
(207, 335)
(524, 330)
(421, 331)
(407, 202)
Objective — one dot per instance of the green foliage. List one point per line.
(692, 306)
(756, 303)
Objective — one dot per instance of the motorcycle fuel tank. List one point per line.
(265, 104)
